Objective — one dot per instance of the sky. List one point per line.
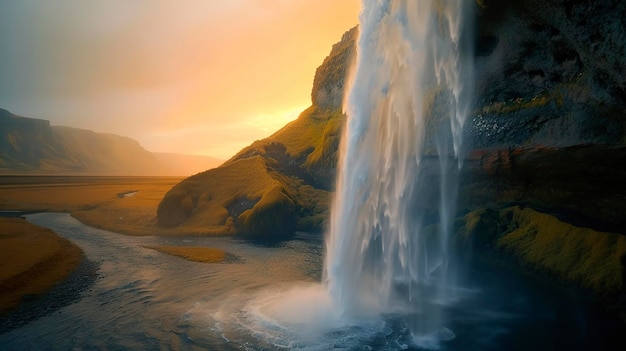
(204, 77)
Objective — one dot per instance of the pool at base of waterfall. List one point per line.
(271, 299)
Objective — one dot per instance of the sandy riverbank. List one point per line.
(33, 260)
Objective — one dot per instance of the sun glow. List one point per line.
(199, 77)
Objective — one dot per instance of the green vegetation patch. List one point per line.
(582, 255)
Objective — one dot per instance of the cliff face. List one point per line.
(550, 128)
(24, 141)
(549, 135)
(550, 73)
(330, 76)
(32, 146)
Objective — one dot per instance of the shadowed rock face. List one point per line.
(549, 128)
(552, 74)
(544, 43)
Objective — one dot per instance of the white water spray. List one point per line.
(407, 103)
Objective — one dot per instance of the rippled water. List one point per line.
(145, 300)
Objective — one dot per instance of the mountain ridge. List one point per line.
(34, 146)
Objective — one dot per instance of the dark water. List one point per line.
(271, 300)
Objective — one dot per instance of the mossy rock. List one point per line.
(274, 216)
(590, 258)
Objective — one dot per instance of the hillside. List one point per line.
(33, 146)
(278, 184)
(544, 171)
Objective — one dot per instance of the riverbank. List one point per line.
(33, 260)
(125, 205)
(143, 299)
(93, 200)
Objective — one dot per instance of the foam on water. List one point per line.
(304, 317)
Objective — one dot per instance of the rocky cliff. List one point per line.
(545, 171)
(33, 146)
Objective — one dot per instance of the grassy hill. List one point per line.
(271, 188)
(276, 185)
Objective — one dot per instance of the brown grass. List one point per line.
(205, 197)
(199, 205)
(92, 200)
(33, 260)
(191, 253)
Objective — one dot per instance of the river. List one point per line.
(271, 299)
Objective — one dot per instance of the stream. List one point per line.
(272, 300)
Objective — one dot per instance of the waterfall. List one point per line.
(407, 100)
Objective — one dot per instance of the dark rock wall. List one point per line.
(549, 125)
(549, 73)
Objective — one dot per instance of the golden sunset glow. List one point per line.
(199, 77)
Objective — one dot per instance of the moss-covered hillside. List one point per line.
(276, 185)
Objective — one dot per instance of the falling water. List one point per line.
(387, 251)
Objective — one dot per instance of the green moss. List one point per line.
(575, 253)
(519, 104)
(325, 143)
(273, 216)
(481, 226)
(580, 255)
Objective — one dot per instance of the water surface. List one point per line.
(272, 300)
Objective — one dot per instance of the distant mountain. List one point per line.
(33, 146)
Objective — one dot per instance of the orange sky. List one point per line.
(195, 76)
